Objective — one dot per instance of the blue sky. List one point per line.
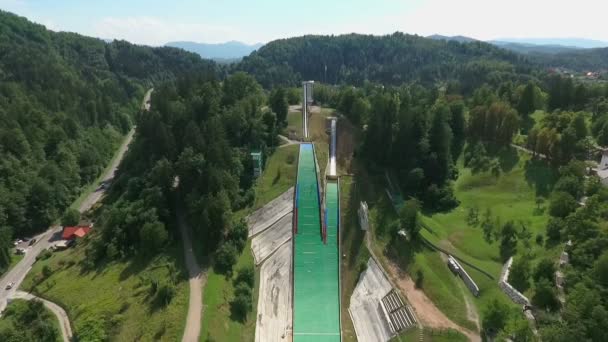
(155, 22)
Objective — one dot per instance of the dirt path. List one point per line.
(198, 279)
(62, 316)
(428, 314)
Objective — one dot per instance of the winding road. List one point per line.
(17, 274)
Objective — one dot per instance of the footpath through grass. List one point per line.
(218, 322)
(115, 299)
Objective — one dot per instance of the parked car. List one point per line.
(19, 251)
(10, 285)
(32, 241)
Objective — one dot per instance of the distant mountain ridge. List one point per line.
(581, 43)
(223, 51)
(460, 39)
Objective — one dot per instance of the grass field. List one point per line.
(511, 197)
(294, 124)
(430, 335)
(318, 135)
(218, 325)
(278, 176)
(19, 305)
(115, 296)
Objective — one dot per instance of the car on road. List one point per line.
(18, 241)
(32, 241)
(10, 285)
(19, 251)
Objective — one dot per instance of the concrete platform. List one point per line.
(365, 305)
(264, 217)
(268, 241)
(274, 302)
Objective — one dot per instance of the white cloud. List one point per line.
(154, 31)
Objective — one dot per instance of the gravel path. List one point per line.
(197, 281)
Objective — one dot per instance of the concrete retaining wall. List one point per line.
(468, 281)
(512, 292)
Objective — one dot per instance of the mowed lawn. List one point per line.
(218, 323)
(115, 296)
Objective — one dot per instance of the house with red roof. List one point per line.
(70, 233)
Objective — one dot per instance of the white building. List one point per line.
(602, 168)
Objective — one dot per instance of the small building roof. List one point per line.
(74, 232)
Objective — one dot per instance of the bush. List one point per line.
(419, 279)
(562, 204)
(166, 292)
(238, 235)
(46, 271)
(242, 302)
(225, 258)
(246, 275)
(44, 255)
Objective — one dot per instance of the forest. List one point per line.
(66, 101)
(391, 60)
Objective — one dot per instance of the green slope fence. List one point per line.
(316, 283)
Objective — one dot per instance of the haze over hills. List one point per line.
(536, 46)
(221, 51)
(568, 42)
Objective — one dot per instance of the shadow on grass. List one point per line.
(508, 158)
(540, 175)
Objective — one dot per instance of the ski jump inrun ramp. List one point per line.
(316, 303)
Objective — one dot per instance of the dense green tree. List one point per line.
(494, 317)
(409, 218)
(520, 273)
(544, 295)
(600, 269)
(278, 104)
(508, 240)
(561, 204)
(70, 217)
(153, 236)
(545, 269)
